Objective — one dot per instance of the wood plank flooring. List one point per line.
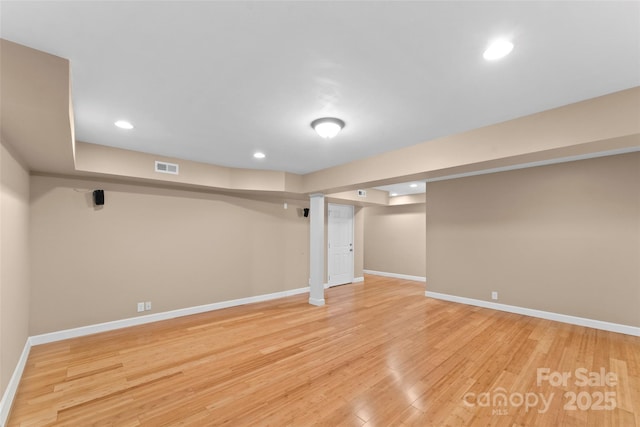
(378, 354)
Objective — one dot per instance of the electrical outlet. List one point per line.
(494, 295)
(140, 307)
(147, 305)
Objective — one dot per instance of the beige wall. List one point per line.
(14, 261)
(174, 248)
(394, 238)
(561, 238)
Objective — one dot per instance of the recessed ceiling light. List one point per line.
(259, 155)
(327, 127)
(394, 194)
(498, 49)
(123, 124)
(414, 186)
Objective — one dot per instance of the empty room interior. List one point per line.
(320, 213)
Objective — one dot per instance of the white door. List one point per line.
(340, 244)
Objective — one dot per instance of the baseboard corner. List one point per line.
(397, 275)
(316, 301)
(12, 387)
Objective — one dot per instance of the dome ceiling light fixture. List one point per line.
(124, 124)
(498, 49)
(327, 127)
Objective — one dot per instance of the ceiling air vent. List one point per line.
(164, 167)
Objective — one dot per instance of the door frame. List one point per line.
(353, 228)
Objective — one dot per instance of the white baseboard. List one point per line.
(141, 320)
(12, 386)
(396, 275)
(355, 280)
(564, 318)
(316, 301)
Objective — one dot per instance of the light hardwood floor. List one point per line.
(378, 354)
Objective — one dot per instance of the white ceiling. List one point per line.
(217, 81)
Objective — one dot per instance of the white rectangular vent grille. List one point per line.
(164, 167)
